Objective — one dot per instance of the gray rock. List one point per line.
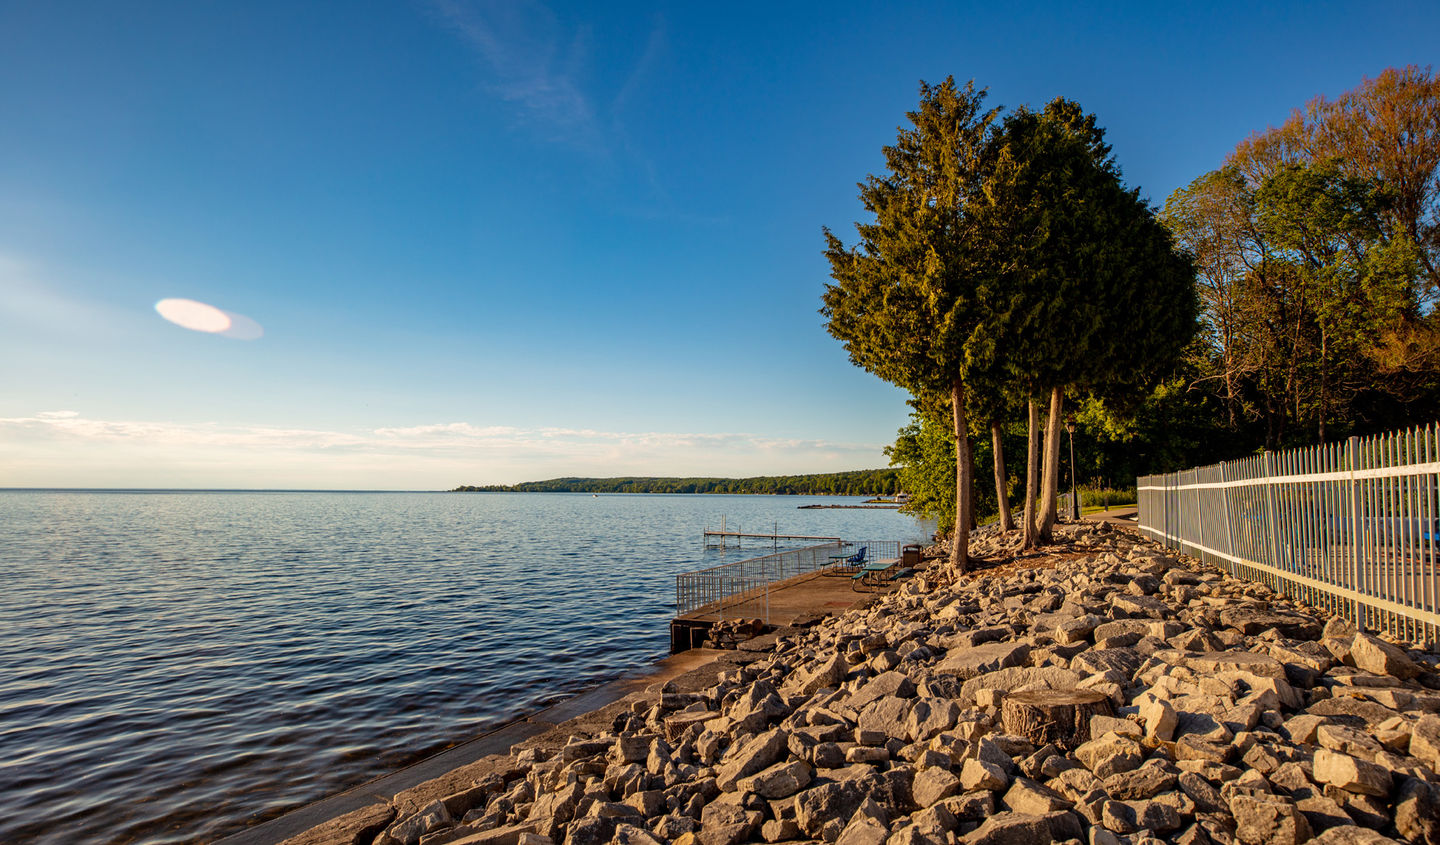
(1352, 835)
(1214, 663)
(827, 801)
(1348, 741)
(1027, 796)
(1131, 816)
(1425, 741)
(778, 781)
(1120, 627)
(1018, 678)
(1141, 606)
(723, 823)
(1351, 774)
(1110, 754)
(1206, 797)
(1123, 661)
(1417, 812)
(885, 715)
(593, 830)
(431, 817)
(1268, 820)
(896, 684)
(1252, 622)
(982, 659)
(1375, 655)
(1356, 710)
(1147, 781)
(777, 830)
(978, 774)
(863, 830)
(930, 716)
(1024, 829)
(1303, 728)
(933, 785)
(971, 806)
(755, 755)
(629, 834)
(1160, 719)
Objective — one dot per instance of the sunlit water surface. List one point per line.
(175, 665)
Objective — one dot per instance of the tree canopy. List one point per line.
(906, 299)
(1005, 260)
(1318, 244)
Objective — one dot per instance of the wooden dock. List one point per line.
(742, 535)
(809, 594)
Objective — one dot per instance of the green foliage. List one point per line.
(1317, 245)
(1090, 290)
(924, 455)
(869, 482)
(1106, 497)
(905, 298)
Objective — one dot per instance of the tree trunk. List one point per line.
(1056, 717)
(964, 467)
(1002, 493)
(1032, 474)
(1051, 502)
(974, 518)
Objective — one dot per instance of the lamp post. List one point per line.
(1074, 502)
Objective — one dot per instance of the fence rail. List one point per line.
(742, 589)
(1351, 527)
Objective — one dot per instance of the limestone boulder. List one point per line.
(1268, 820)
(1110, 754)
(982, 659)
(1373, 654)
(778, 781)
(1425, 741)
(1417, 812)
(755, 755)
(1351, 774)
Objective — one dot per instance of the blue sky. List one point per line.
(492, 242)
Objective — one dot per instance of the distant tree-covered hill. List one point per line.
(864, 482)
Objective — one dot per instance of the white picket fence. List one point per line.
(1351, 527)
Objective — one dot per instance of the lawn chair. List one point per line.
(848, 565)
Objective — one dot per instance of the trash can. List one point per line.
(910, 555)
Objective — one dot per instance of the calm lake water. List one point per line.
(176, 664)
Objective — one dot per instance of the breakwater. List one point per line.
(1201, 709)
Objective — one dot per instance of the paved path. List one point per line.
(1125, 515)
(810, 594)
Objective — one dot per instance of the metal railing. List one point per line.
(742, 589)
(1351, 527)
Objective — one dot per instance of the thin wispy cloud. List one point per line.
(66, 448)
(544, 68)
(532, 62)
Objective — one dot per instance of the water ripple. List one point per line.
(174, 666)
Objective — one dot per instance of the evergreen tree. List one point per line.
(906, 300)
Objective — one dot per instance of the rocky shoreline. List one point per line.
(1201, 709)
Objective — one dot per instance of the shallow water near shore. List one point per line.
(175, 664)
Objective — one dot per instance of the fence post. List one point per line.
(1229, 529)
(1271, 532)
(1357, 531)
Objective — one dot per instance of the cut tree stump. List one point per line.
(1060, 717)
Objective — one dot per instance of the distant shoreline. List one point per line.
(865, 482)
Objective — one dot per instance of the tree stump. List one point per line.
(1056, 717)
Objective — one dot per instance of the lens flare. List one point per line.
(196, 316)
